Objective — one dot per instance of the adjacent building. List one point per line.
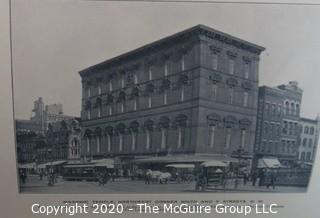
(63, 140)
(194, 92)
(278, 123)
(309, 139)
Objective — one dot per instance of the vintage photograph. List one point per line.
(153, 97)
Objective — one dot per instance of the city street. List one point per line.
(34, 185)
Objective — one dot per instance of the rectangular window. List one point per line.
(110, 110)
(134, 141)
(231, 95)
(215, 61)
(212, 136)
(246, 70)
(110, 85)
(121, 107)
(98, 140)
(231, 66)
(122, 82)
(148, 139)
(135, 104)
(88, 114)
(149, 101)
(109, 142)
(99, 111)
(163, 139)
(228, 137)
(245, 99)
(99, 90)
(182, 94)
(120, 142)
(88, 145)
(165, 68)
(243, 138)
(165, 95)
(150, 73)
(88, 92)
(179, 137)
(183, 62)
(214, 91)
(135, 79)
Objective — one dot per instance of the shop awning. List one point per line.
(78, 165)
(53, 163)
(184, 159)
(184, 166)
(269, 163)
(27, 166)
(214, 164)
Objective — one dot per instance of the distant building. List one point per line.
(63, 138)
(309, 139)
(43, 115)
(27, 145)
(194, 92)
(277, 122)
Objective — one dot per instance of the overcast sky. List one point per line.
(53, 40)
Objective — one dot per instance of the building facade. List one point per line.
(28, 143)
(194, 92)
(278, 122)
(63, 139)
(309, 139)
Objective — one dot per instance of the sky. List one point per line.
(53, 40)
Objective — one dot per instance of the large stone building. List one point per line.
(194, 92)
(278, 122)
(309, 139)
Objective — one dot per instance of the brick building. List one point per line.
(309, 139)
(278, 122)
(194, 92)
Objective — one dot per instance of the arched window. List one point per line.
(267, 108)
(164, 124)
(109, 132)
(87, 136)
(134, 128)
(311, 130)
(148, 126)
(99, 107)
(287, 108)
(181, 122)
(310, 143)
(245, 99)
(266, 129)
(293, 108)
(306, 130)
(308, 156)
(297, 109)
(88, 110)
(304, 142)
(121, 130)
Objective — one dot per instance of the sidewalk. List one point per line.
(230, 187)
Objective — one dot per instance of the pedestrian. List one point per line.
(254, 177)
(261, 177)
(148, 176)
(245, 178)
(41, 174)
(272, 180)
